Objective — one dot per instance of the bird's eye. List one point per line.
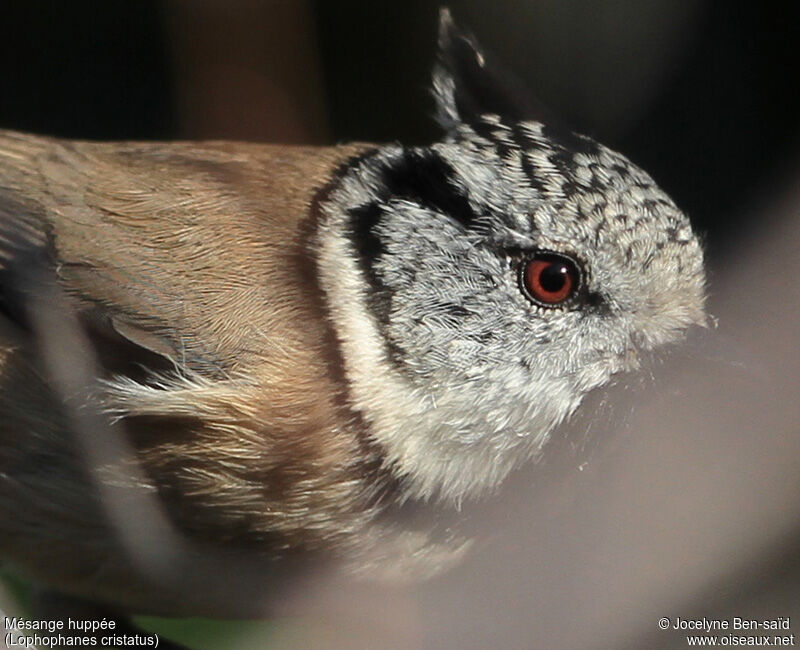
(549, 279)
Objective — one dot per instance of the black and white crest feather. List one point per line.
(468, 83)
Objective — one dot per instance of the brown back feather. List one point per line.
(196, 252)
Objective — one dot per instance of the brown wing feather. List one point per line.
(193, 242)
(196, 252)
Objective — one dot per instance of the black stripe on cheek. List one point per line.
(426, 179)
(423, 178)
(419, 177)
(369, 248)
(364, 221)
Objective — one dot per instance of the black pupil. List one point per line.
(553, 277)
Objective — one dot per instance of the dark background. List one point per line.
(701, 94)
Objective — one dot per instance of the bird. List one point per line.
(275, 348)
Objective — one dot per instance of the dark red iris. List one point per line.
(550, 279)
